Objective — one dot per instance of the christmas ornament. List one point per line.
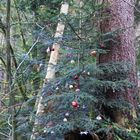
(45, 130)
(57, 88)
(113, 90)
(65, 120)
(84, 72)
(93, 53)
(99, 118)
(72, 61)
(77, 90)
(70, 86)
(88, 73)
(85, 133)
(83, 106)
(49, 124)
(52, 132)
(75, 104)
(67, 114)
(48, 50)
(76, 77)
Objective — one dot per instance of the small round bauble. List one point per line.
(72, 61)
(67, 114)
(75, 104)
(77, 90)
(93, 53)
(65, 120)
(70, 86)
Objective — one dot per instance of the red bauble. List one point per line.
(75, 104)
(93, 53)
(76, 77)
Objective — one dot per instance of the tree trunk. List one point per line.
(8, 72)
(10, 49)
(50, 74)
(121, 16)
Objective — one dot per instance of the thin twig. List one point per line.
(24, 60)
(9, 121)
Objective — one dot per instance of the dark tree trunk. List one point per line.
(9, 73)
(121, 17)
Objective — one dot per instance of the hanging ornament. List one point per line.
(84, 107)
(45, 130)
(57, 88)
(93, 53)
(72, 61)
(70, 86)
(50, 124)
(76, 77)
(48, 50)
(84, 72)
(65, 120)
(67, 114)
(84, 133)
(77, 90)
(52, 132)
(88, 73)
(113, 90)
(75, 104)
(99, 118)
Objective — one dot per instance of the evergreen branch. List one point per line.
(19, 20)
(72, 28)
(5, 135)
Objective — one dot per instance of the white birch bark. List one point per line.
(50, 74)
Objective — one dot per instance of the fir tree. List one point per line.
(76, 101)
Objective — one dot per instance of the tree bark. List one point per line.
(12, 55)
(8, 71)
(50, 74)
(121, 17)
(8, 51)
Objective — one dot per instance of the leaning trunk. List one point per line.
(50, 75)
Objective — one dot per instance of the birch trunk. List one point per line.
(50, 74)
(121, 17)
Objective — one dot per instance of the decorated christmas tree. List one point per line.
(77, 103)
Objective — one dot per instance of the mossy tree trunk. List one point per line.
(9, 73)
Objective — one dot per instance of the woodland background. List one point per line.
(60, 73)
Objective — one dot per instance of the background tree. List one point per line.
(120, 48)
